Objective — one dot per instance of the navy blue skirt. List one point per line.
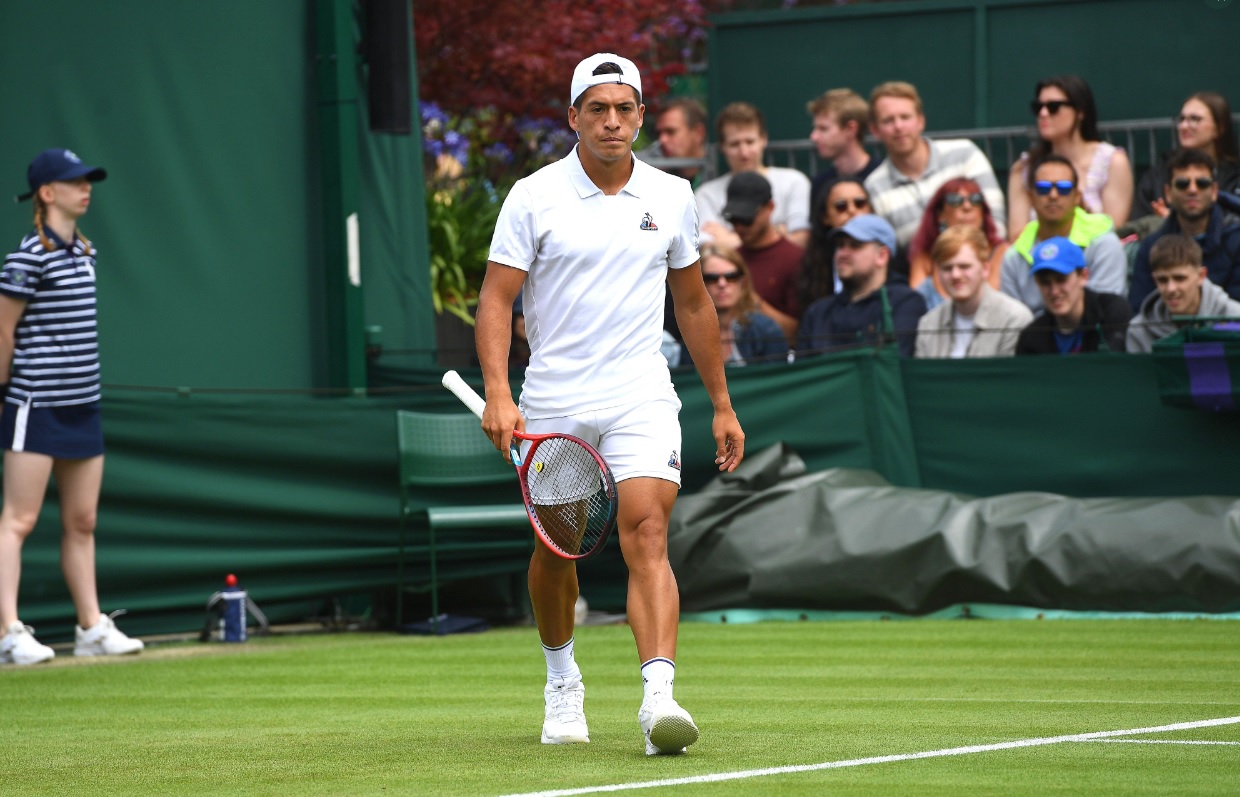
(72, 432)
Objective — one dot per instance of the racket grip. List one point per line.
(468, 396)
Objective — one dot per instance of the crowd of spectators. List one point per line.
(914, 242)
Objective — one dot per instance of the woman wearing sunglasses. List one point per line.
(1203, 123)
(836, 204)
(958, 202)
(1067, 122)
(745, 334)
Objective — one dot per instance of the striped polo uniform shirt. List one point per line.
(902, 200)
(56, 347)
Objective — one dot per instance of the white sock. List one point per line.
(561, 663)
(658, 676)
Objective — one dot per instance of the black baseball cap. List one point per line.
(748, 192)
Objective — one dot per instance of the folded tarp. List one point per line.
(772, 535)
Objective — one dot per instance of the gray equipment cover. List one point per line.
(772, 535)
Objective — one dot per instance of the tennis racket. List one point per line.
(569, 492)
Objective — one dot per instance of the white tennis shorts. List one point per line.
(638, 439)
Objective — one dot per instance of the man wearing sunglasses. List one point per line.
(1191, 192)
(1054, 191)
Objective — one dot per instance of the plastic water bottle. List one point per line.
(232, 619)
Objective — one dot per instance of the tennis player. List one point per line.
(49, 355)
(589, 242)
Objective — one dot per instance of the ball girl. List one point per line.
(49, 424)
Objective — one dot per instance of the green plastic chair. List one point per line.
(444, 460)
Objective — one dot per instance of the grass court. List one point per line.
(380, 714)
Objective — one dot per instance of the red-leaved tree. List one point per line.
(518, 58)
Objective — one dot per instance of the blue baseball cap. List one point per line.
(869, 227)
(54, 165)
(1057, 254)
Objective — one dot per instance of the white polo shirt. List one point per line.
(597, 268)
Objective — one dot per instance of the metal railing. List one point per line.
(1143, 139)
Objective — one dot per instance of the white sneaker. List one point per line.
(104, 639)
(564, 721)
(19, 646)
(668, 728)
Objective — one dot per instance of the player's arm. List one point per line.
(493, 337)
(699, 326)
(10, 313)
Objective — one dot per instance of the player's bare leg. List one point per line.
(553, 594)
(654, 610)
(653, 600)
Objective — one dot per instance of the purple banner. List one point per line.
(1209, 380)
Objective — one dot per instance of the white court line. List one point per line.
(883, 759)
(1158, 741)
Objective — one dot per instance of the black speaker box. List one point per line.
(387, 28)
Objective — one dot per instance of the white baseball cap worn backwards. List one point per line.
(584, 77)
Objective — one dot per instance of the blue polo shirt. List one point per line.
(56, 345)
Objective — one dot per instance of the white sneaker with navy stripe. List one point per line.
(564, 721)
(668, 728)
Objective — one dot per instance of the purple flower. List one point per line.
(456, 144)
(498, 151)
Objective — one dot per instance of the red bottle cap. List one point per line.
(230, 580)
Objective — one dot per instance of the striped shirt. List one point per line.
(902, 200)
(56, 347)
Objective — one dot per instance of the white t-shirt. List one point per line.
(597, 269)
(789, 188)
(962, 335)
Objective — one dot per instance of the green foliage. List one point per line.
(459, 225)
(472, 162)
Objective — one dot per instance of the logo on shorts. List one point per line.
(674, 461)
(648, 223)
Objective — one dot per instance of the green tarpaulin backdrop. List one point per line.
(298, 495)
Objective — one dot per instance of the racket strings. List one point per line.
(571, 495)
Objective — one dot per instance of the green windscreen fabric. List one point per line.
(209, 225)
(201, 113)
(1091, 425)
(1200, 368)
(395, 259)
(999, 50)
(298, 495)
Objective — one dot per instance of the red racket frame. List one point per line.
(470, 398)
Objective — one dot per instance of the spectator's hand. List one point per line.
(1160, 207)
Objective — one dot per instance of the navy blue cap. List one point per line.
(868, 227)
(1057, 254)
(55, 165)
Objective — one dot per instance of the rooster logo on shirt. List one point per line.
(648, 223)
